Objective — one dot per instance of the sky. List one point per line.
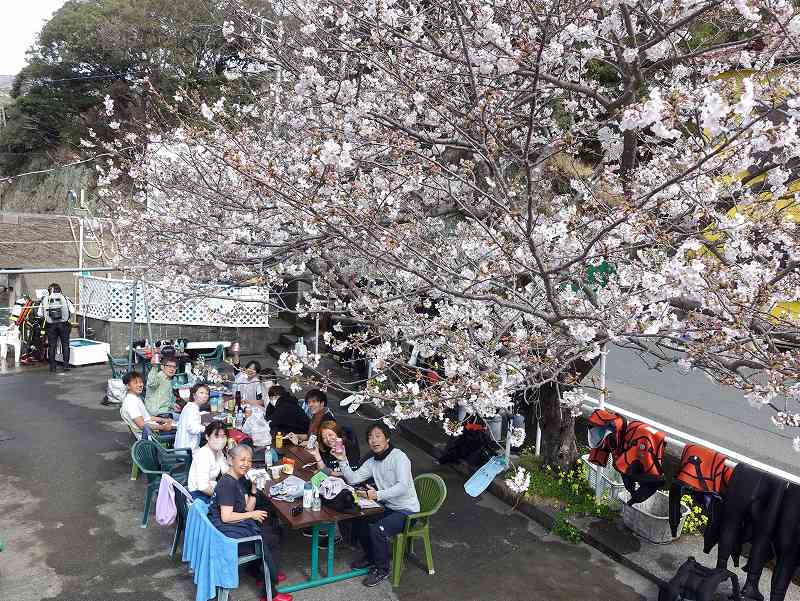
(21, 21)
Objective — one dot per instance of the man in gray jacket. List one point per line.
(394, 489)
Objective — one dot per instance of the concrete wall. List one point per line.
(40, 241)
(251, 340)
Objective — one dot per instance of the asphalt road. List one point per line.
(694, 404)
(69, 518)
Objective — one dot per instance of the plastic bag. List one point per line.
(258, 429)
(289, 489)
(115, 391)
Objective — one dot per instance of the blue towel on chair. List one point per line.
(213, 556)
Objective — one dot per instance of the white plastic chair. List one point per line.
(9, 336)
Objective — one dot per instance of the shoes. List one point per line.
(278, 597)
(281, 578)
(359, 564)
(375, 577)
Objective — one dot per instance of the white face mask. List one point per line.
(216, 444)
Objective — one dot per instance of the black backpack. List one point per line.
(695, 582)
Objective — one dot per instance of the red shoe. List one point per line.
(278, 597)
(281, 578)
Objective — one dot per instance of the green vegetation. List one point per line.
(568, 490)
(696, 521)
(93, 48)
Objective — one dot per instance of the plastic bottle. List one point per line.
(317, 502)
(308, 495)
(268, 455)
(279, 440)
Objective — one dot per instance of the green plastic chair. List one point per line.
(154, 461)
(118, 365)
(431, 492)
(216, 358)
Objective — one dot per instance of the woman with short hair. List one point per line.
(233, 512)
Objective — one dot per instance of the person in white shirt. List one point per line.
(134, 413)
(247, 382)
(208, 462)
(190, 426)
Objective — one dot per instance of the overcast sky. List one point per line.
(21, 21)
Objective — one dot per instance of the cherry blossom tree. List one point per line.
(508, 187)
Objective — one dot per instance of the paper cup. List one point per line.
(276, 471)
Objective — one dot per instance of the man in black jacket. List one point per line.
(285, 413)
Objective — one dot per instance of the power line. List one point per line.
(39, 172)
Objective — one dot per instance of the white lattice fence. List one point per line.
(111, 300)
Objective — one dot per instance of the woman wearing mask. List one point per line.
(208, 462)
(189, 425)
(285, 414)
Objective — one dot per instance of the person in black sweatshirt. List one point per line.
(285, 413)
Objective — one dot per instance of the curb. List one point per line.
(544, 516)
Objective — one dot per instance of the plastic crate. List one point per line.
(610, 482)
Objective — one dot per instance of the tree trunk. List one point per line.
(559, 447)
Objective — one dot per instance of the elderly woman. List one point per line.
(233, 512)
(208, 462)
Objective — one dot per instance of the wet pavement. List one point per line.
(69, 518)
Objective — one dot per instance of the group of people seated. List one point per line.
(218, 477)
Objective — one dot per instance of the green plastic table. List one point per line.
(325, 519)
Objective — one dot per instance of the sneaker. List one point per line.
(359, 564)
(278, 597)
(375, 577)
